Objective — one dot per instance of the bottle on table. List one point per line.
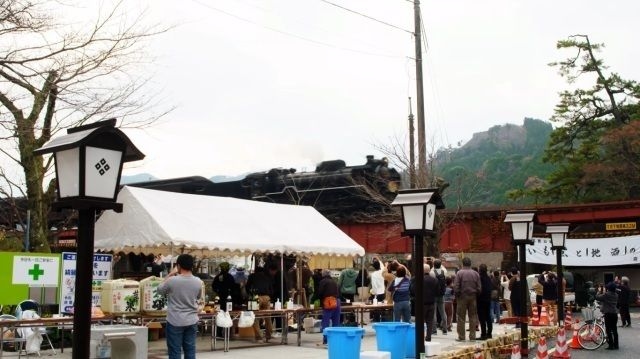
(229, 303)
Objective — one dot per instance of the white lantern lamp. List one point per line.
(521, 226)
(558, 232)
(418, 209)
(88, 164)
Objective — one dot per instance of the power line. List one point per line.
(303, 38)
(366, 16)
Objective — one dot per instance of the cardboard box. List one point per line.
(154, 331)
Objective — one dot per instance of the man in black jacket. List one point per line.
(430, 289)
(328, 287)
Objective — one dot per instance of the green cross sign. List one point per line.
(36, 271)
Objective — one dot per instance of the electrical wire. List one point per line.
(366, 16)
(303, 38)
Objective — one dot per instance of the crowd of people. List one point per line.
(473, 294)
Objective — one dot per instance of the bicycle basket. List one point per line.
(588, 314)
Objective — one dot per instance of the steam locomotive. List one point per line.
(336, 190)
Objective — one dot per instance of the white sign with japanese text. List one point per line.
(36, 271)
(101, 272)
(588, 252)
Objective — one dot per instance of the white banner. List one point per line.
(101, 272)
(36, 271)
(588, 252)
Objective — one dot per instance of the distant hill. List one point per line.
(504, 158)
(142, 177)
(223, 178)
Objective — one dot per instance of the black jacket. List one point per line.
(549, 288)
(430, 289)
(259, 283)
(487, 287)
(327, 287)
(624, 295)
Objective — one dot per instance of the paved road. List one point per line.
(629, 342)
(629, 346)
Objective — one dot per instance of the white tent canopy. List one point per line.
(166, 222)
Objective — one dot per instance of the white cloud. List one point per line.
(251, 98)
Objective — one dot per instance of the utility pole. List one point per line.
(418, 241)
(422, 146)
(412, 154)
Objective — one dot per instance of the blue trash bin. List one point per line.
(411, 341)
(391, 337)
(344, 342)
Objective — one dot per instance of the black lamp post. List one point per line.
(88, 162)
(522, 232)
(558, 233)
(418, 216)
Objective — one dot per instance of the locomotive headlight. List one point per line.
(393, 186)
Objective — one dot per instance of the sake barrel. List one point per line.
(120, 296)
(152, 302)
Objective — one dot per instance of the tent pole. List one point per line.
(282, 278)
(364, 280)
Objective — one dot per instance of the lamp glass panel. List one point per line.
(102, 168)
(557, 239)
(431, 216)
(68, 172)
(413, 216)
(520, 231)
(530, 232)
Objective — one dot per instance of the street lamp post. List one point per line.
(88, 164)
(558, 233)
(418, 207)
(522, 233)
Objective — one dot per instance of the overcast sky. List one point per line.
(288, 83)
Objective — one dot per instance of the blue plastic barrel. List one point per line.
(344, 342)
(411, 341)
(391, 337)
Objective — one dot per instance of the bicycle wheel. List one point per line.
(591, 336)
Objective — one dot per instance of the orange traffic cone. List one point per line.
(574, 337)
(544, 318)
(515, 351)
(534, 321)
(567, 318)
(562, 349)
(542, 349)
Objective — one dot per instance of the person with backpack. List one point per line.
(440, 274)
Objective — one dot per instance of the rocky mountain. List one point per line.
(502, 159)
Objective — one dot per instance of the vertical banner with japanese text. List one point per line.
(101, 272)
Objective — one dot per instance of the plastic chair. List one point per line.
(11, 334)
(33, 305)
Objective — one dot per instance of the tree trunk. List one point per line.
(38, 202)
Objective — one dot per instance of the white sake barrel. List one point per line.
(120, 296)
(152, 302)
